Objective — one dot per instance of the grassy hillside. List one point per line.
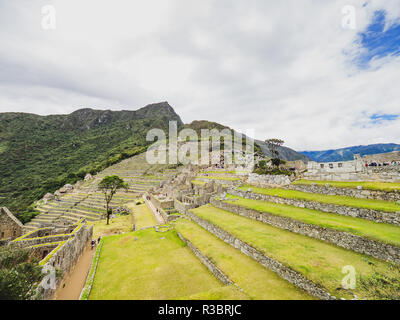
(39, 154)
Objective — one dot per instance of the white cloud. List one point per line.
(283, 69)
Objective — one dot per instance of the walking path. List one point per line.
(156, 214)
(75, 280)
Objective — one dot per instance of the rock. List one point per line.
(57, 194)
(359, 187)
(88, 177)
(62, 190)
(48, 196)
(69, 186)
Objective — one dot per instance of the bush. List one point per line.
(20, 274)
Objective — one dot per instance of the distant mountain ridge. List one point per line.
(39, 154)
(346, 154)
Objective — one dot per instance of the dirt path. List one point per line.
(75, 280)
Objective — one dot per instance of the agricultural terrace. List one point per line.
(146, 265)
(365, 228)
(142, 215)
(218, 178)
(120, 224)
(379, 205)
(318, 261)
(256, 281)
(370, 185)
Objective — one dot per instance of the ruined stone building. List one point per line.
(356, 170)
(10, 227)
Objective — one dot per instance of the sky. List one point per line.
(317, 74)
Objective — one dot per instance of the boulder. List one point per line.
(69, 186)
(62, 190)
(88, 177)
(48, 196)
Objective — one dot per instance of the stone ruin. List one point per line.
(179, 194)
(57, 247)
(10, 227)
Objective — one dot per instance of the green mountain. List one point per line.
(346, 154)
(39, 154)
(285, 153)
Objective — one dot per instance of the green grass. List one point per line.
(120, 224)
(146, 265)
(257, 282)
(143, 216)
(369, 229)
(317, 260)
(198, 182)
(218, 178)
(372, 204)
(370, 185)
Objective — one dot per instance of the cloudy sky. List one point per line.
(318, 74)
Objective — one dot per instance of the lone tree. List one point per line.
(109, 186)
(273, 145)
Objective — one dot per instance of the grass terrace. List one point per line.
(146, 265)
(257, 282)
(370, 185)
(142, 215)
(120, 224)
(372, 204)
(218, 178)
(319, 261)
(198, 182)
(369, 229)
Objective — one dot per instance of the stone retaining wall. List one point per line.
(349, 192)
(368, 214)
(183, 207)
(385, 174)
(342, 239)
(220, 181)
(284, 272)
(37, 241)
(207, 262)
(268, 180)
(66, 257)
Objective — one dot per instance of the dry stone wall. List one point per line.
(268, 180)
(342, 239)
(183, 207)
(10, 226)
(207, 262)
(368, 214)
(66, 257)
(349, 192)
(284, 272)
(385, 174)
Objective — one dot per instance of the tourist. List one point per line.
(93, 244)
(98, 240)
